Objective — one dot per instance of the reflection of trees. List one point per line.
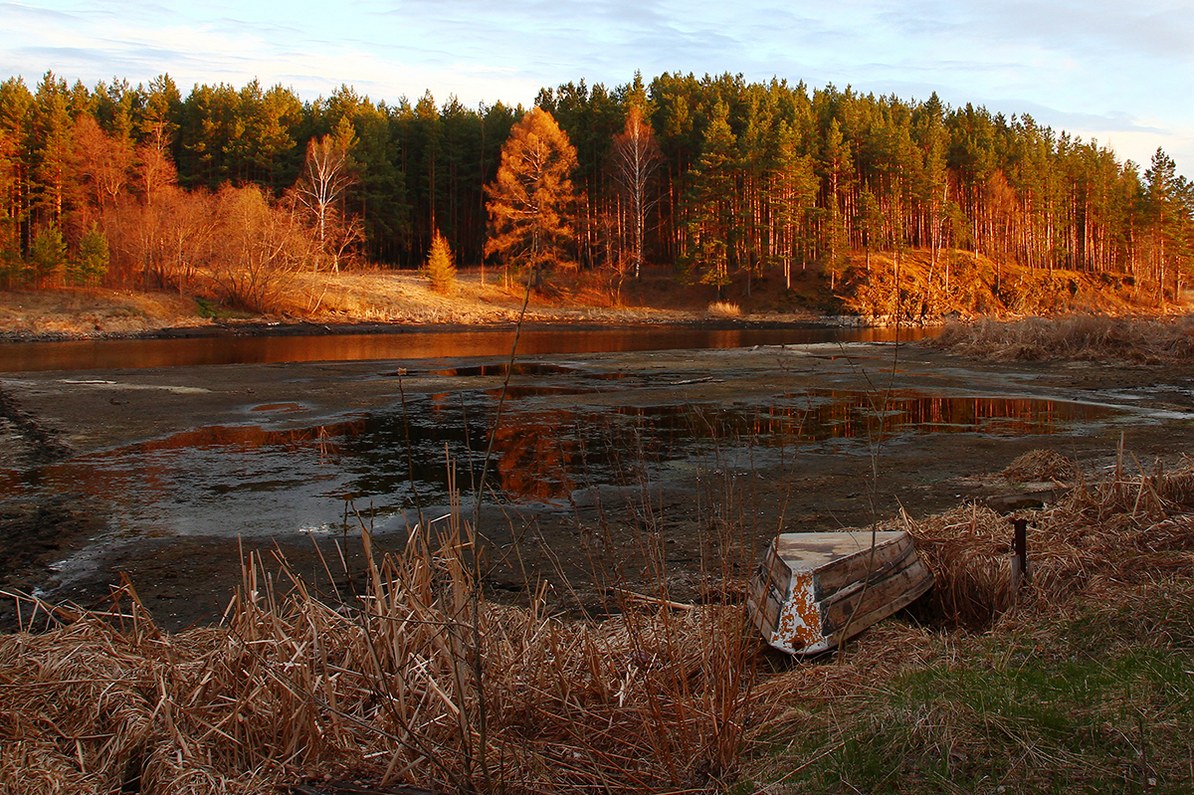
(251, 437)
(535, 454)
(819, 416)
(857, 415)
(10, 481)
(539, 455)
(142, 468)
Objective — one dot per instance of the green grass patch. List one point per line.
(1103, 704)
(210, 310)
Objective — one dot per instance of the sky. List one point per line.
(1114, 71)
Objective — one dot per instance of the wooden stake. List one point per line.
(1020, 573)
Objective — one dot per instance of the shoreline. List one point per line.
(360, 303)
(307, 328)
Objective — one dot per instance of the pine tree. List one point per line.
(46, 255)
(792, 196)
(440, 269)
(50, 146)
(15, 102)
(838, 169)
(711, 224)
(1164, 214)
(91, 263)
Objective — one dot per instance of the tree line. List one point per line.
(729, 180)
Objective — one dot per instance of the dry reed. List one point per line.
(724, 309)
(1119, 531)
(419, 682)
(1042, 466)
(1091, 338)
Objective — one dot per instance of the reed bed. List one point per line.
(1086, 337)
(418, 682)
(1046, 466)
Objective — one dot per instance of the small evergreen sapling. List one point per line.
(440, 269)
(47, 254)
(90, 265)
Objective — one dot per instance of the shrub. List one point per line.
(11, 267)
(47, 254)
(257, 248)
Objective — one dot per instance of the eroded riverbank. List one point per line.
(604, 464)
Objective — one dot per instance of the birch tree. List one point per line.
(328, 173)
(636, 158)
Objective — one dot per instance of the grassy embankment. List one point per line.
(1153, 341)
(1080, 681)
(366, 296)
(976, 287)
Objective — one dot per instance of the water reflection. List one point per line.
(107, 354)
(10, 481)
(820, 415)
(247, 480)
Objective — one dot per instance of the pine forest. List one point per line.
(723, 181)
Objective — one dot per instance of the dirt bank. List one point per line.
(678, 510)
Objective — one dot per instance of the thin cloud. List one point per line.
(1098, 65)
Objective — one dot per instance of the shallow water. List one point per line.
(254, 480)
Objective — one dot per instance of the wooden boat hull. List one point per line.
(813, 591)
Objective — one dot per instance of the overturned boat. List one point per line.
(812, 591)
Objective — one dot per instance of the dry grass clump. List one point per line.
(1042, 465)
(724, 309)
(419, 682)
(1119, 531)
(1090, 338)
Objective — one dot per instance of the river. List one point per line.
(271, 349)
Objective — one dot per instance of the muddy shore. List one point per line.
(304, 328)
(59, 541)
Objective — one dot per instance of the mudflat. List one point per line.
(809, 437)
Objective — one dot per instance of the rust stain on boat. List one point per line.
(799, 622)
